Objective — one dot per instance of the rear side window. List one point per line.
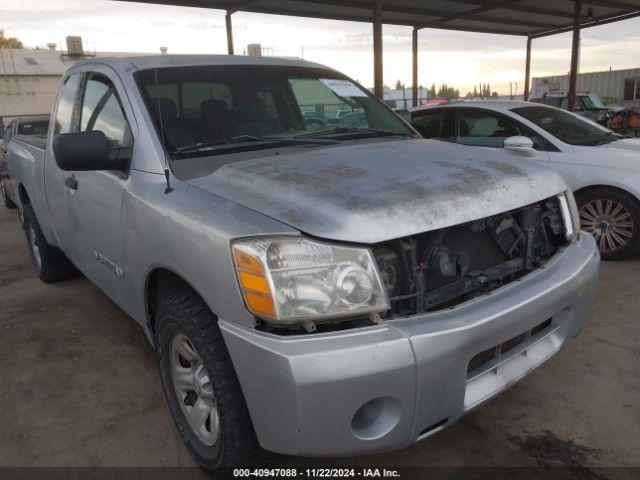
(66, 101)
(102, 111)
(9, 132)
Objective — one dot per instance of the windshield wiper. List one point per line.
(196, 147)
(350, 131)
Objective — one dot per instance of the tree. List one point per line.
(447, 92)
(399, 85)
(431, 91)
(9, 42)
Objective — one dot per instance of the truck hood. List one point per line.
(376, 191)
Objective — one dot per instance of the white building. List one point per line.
(402, 98)
(29, 77)
(620, 87)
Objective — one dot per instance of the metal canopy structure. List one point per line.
(527, 18)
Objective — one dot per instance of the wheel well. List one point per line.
(158, 280)
(606, 187)
(24, 196)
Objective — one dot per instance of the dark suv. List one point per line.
(588, 105)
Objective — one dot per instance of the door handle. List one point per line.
(71, 182)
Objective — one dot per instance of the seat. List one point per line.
(505, 130)
(215, 120)
(175, 131)
(251, 117)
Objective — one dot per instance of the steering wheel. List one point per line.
(313, 121)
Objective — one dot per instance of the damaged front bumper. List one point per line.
(387, 386)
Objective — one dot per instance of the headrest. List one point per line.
(168, 109)
(214, 109)
(252, 107)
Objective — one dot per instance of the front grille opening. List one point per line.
(486, 359)
(441, 269)
(481, 359)
(539, 328)
(513, 343)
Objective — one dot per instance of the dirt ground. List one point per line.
(79, 386)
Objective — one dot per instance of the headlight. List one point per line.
(570, 215)
(293, 280)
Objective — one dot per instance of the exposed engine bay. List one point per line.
(440, 269)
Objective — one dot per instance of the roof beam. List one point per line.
(615, 4)
(592, 23)
(471, 13)
(521, 8)
(365, 5)
(237, 5)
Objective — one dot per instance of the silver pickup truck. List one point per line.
(315, 278)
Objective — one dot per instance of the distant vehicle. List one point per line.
(601, 166)
(317, 289)
(588, 105)
(31, 128)
(436, 101)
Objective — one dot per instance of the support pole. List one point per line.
(575, 54)
(527, 70)
(377, 49)
(227, 19)
(414, 45)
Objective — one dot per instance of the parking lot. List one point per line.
(80, 386)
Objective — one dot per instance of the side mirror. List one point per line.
(88, 151)
(520, 144)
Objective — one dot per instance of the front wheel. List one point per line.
(613, 218)
(199, 382)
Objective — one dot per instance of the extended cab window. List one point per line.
(66, 101)
(102, 110)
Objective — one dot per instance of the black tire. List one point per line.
(631, 205)
(52, 265)
(180, 310)
(8, 203)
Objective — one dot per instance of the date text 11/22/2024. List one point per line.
(316, 473)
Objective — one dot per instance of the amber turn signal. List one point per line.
(253, 284)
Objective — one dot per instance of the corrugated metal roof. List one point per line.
(40, 62)
(509, 17)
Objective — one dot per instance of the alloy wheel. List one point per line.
(609, 222)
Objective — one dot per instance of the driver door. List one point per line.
(96, 198)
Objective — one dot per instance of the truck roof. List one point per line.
(135, 63)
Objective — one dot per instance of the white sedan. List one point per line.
(601, 166)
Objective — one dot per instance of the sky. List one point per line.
(457, 58)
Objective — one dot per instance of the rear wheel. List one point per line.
(8, 203)
(613, 218)
(199, 382)
(50, 263)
